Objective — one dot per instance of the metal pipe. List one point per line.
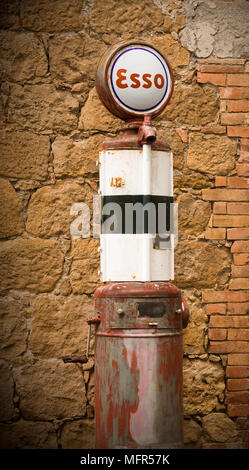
(146, 155)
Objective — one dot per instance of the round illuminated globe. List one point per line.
(134, 79)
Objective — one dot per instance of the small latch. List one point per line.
(75, 359)
(84, 359)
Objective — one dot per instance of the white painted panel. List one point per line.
(125, 167)
(126, 258)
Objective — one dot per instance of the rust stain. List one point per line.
(52, 176)
(117, 182)
(133, 367)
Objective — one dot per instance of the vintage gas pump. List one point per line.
(139, 313)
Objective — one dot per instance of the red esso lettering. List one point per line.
(146, 80)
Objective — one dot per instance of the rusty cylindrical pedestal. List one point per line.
(138, 371)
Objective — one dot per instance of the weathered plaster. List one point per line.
(215, 28)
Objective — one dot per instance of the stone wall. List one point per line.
(52, 127)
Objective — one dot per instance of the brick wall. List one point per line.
(228, 310)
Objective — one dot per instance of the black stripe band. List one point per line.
(133, 214)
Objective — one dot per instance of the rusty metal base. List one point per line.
(138, 392)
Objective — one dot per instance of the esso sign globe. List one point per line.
(134, 79)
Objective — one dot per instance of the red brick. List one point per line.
(214, 129)
(183, 134)
(239, 371)
(237, 334)
(238, 384)
(214, 78)
(240, 247)
(240, 271)
(231, 220)
(217, 334)
(237, 360)
(234, 93)
(238, 131)
(244, 155)
(240, 308)
(213, 296)
(222, 321)
(220, 194)
(238, 233)
(239, 283)
(237, 207)
(220, 181)
(220, 208)
(223, 61)
(215, 308)
(215, 234)
(241, 258)
(242, 169)
(241, 79)
(237, 397)
(237, 182)
(225, 347)
(244, 146)
(238, 106)
(220, 68)
(238, 410)
(233, 118)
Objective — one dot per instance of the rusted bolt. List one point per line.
(75, 359)
(120, 311)
(94, 320)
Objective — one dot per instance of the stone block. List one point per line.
(76, 157)
(94, 116)
(13, 330)
(58, 15)
(32, 264)
(28, 435)
(193, 214)
(192, 433)
(193, 335)
(219, 427)
(192, 105)
(59, 326)
(78, 434)
(201, 265)
(7, 411)
(24, 155)
(22, 56)
(11, 214)
(9, 18)
(84, 276)
(175, 53)
(139, 17)
(211, 154)
(74, 58)
(203, 386)
(49, 390)
(49, 208)
(42, 108)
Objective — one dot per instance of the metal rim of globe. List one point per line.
(134, 79)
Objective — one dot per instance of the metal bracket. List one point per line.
(84, 359)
